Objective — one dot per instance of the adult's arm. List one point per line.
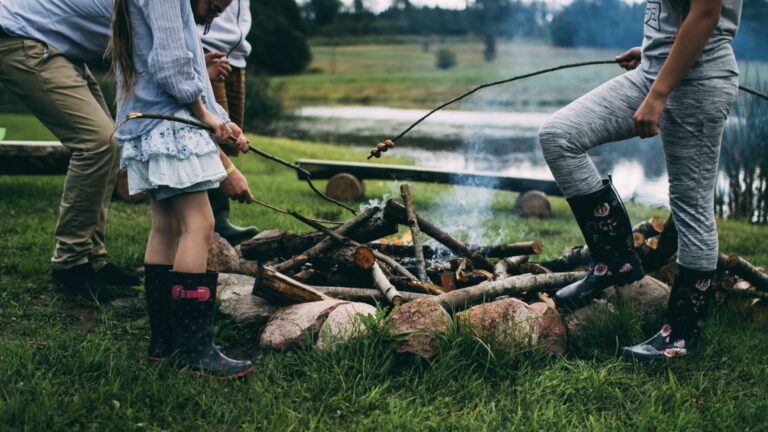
(690, 41)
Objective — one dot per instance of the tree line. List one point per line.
(281, 28)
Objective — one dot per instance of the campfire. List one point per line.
(364, 260)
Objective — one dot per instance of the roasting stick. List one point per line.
(382, 147)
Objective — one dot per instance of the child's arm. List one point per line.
(690, 41)
(170, 62)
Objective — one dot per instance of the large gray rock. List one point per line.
(297, 325)
(580, 322)
(514, 323)
(343, 324)
(222, 257)
(420, 322)
(648, 298)
(236, 301)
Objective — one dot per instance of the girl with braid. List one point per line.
(159, 66)
(681, 84)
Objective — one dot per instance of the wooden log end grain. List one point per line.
(345, 187)
(533, 204)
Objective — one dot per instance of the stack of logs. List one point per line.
(351, 262)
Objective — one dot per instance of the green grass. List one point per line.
(66, 365)
(404, 76)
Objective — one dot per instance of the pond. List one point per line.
(500, 142)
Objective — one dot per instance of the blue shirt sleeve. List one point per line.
(170, 61)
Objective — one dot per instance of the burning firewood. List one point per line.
(396, 212)
(326, 244)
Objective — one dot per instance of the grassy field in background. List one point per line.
(405, 76)
(70, 365)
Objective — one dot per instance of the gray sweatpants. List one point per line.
(691, 131)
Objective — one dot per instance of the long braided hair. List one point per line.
(121, 46)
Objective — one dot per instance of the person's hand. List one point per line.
(218, 66)
(648, 115)
(629, 59)
(235, 186)
(242, 142)
(219, 127)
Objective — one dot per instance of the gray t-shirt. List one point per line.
(662, 21)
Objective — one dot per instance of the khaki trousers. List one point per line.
(66, 98)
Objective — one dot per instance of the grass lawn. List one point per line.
(70, 365)
(405, 76)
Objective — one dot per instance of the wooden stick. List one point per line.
(413, 224)
(364, 295)
(745, 270)
(745, 293)
(459, 299)
(382, 283)
(336, 236)
(509, 250)
(396, 211)
(281, 289)
(506, 267)
(575, 257)
(411, 285)
(326, 244)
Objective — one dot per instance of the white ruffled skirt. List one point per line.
(171, 159)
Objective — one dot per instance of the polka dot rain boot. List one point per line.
(157, 290)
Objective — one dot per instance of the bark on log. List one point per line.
(382, 283)
(400, 250)
(745, 270)
(365, 295)
(411, 285)
(396, 212)
(413, 224)
(575, 257)
(326, 244)
(507, 267)
(534, 268)
(509, 250)
(281, 289)
(459, 299)
(280, 244)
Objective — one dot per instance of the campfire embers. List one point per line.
(361, 261)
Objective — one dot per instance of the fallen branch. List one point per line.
(745, 270)
(382, 283)
(279, 288)
(365, 295)
(459, 299)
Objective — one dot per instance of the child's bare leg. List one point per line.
(164, 235)
(193, 211)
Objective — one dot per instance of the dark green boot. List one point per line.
(608, 233)
(688, 304)
(231, 233)
(157, 290)
(193, 296)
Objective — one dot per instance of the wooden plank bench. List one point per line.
(346, 178)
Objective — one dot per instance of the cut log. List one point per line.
(533, 204)
(272, 244)
(459, 299)
(283, 290)
(326, 244)
(413, 225)
(745, 270)
(364, 258)
(386, 288)
(638, 239)
(650, 228)
(345, 187)
(365, 295)
(394, 211)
